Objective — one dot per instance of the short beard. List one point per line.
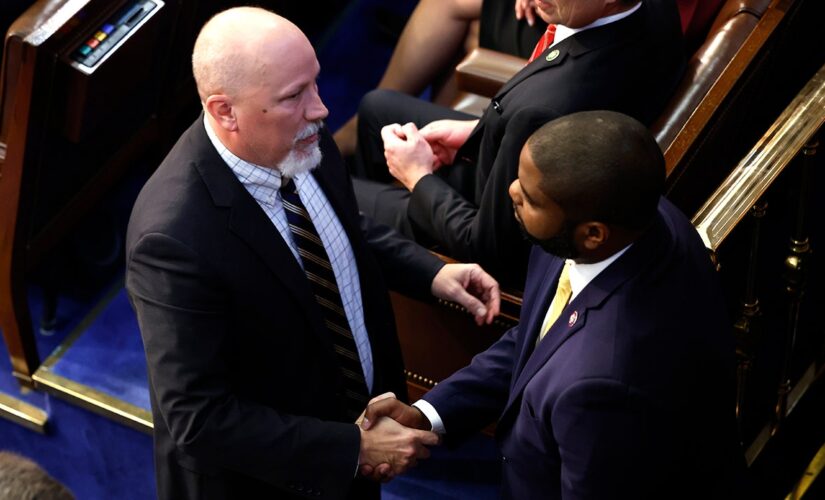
(300, 161)
(561, 245)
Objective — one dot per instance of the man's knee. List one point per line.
(376, 101)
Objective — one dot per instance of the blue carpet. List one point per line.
(470, 471)
(93, 456)
(109, 356)
(70, 312)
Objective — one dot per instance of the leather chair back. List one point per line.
(733, 25)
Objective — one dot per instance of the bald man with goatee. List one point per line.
(260, 291)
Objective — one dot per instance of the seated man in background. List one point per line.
(440, 32)
(622, 55)
(259, 289)
(618, 381)
(437, 35)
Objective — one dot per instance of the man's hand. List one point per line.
(376, 399)
(409, 156)
(526, 9)
(387, 406)
(388, 448)
(470, 286)
(445, 137)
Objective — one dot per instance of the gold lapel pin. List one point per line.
(552, 55)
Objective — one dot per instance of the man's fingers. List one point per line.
(485, 287)
(400, 468)
(423, 452)
(427, 438)
(433, 133)
(530, 13)
(410, 130)
(472, 304)
(388, 407)
(383, 473)
(386, 395)
(361, 420)
(392, 134)
(491, 295)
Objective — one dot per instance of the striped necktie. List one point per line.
(321, 278)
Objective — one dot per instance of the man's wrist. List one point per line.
(414, 179)
(430, 415)
(360, 459)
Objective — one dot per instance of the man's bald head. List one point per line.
(257, 78)
(230, 51)
(600, 166)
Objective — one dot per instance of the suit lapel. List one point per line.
(539, 64)
(570, 48)
(576, 45)
(545, 293)
(643, 254)
(249, 223)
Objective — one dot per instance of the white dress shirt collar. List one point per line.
(262, 182)
(582, 274)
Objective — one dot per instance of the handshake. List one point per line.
(393, 438)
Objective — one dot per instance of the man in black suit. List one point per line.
(259, 289)
(621, 55)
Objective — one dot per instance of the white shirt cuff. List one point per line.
(429, 411)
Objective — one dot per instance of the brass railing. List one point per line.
(793, 135)
(794, 128)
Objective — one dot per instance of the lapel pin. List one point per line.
(573, 318)
(552, 55)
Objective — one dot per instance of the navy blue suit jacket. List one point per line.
(627, 395)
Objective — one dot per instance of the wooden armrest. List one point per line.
(484, 71)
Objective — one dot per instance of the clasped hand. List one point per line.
(412, 153)
(393, 438)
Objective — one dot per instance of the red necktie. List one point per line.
(545, 41)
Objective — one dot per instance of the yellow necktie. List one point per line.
(563, 292)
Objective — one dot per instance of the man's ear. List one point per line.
(219, 106)
(595, 234)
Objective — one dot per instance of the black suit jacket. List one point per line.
(242, 373)
(630, 66)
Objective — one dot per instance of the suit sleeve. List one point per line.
(475, 396)
(184, 321)
(407, 266)
(611, 440)
(488, 232)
